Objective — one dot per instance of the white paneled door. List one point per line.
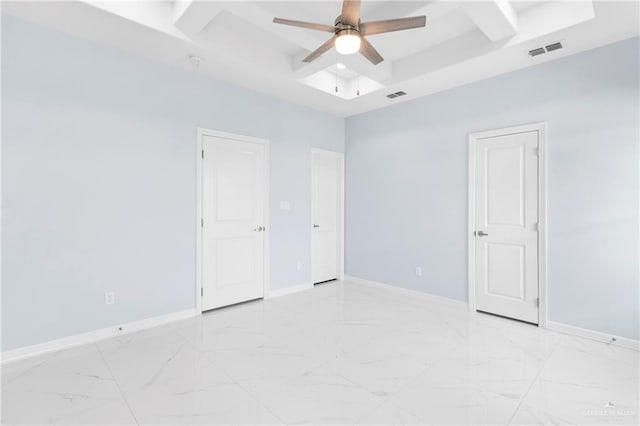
(326, 206)
(506, 225)
(233, 227)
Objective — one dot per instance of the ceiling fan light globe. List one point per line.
(347, 44)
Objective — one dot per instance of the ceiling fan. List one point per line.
(348, 31)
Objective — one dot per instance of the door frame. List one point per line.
(541, 128)
(340, 157)
(199, 217)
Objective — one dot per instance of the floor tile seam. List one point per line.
(473, 387)
(327, 365)
(115, 380)
(390, 399)
(258, 400)
(106, 403)
(269, 335)
(47, 358)
(238, 383)
(206, 352)
(357, 385)
(422, 420)
(359, 420)
(311, 368)
(213, 363)
(535, 379)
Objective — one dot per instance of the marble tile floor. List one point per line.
(342, 353)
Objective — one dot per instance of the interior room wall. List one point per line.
(99, 165)
(98, 181)
(407, 183)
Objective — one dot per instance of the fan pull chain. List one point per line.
(336, 56)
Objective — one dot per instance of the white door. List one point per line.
(233, 197)
(506, 220)
(326, 204)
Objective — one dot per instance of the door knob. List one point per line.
(316, 226)
(259, 229)
(481, 234)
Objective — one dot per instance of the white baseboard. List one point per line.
(289, 290)
(551, 325)
(414, 293)
(594, 335)
(93, 336)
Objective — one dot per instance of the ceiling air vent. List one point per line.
(549, 48)
(554, 46)
(536, 52)
(395, 95)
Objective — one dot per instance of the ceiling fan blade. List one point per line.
(308, 25)
(369, 52)
(389, 25)
(351, 12)
(320, 50)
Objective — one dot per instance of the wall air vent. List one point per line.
(536, 52)
(554, 46)
(396, 94)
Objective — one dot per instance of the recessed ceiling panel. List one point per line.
(232, 31)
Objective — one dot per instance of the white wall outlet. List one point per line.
(418, 271)
(298, 266)
(109, 298)
(285, 205)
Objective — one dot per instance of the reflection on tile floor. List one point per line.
(341, 353)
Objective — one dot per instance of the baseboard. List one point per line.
(593, 335)
(289, 290)
(414, 293)
(93, 336)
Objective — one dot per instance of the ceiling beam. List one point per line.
(495, 18)
(191, 16)
(254, 14)
(432, 10)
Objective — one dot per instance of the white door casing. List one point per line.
(505, 226)
(326, 216)
(233, 222)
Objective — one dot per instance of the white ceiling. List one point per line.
(462, 42)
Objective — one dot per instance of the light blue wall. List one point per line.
(98, 181)
(406, 184)
(99, 165)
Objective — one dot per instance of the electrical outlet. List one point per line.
(418, 271)
(109, 298)
(285, 205)
(298, 266)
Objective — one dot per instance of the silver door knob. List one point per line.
(316, 226)
(481, 234)
(258, 229)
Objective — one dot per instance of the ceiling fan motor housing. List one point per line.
(346, 27)
(347, 31)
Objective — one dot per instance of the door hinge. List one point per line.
(201, 291)
(535, 226)
(537, 302)
(203, 153)
(536, 151)
(201, 223)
